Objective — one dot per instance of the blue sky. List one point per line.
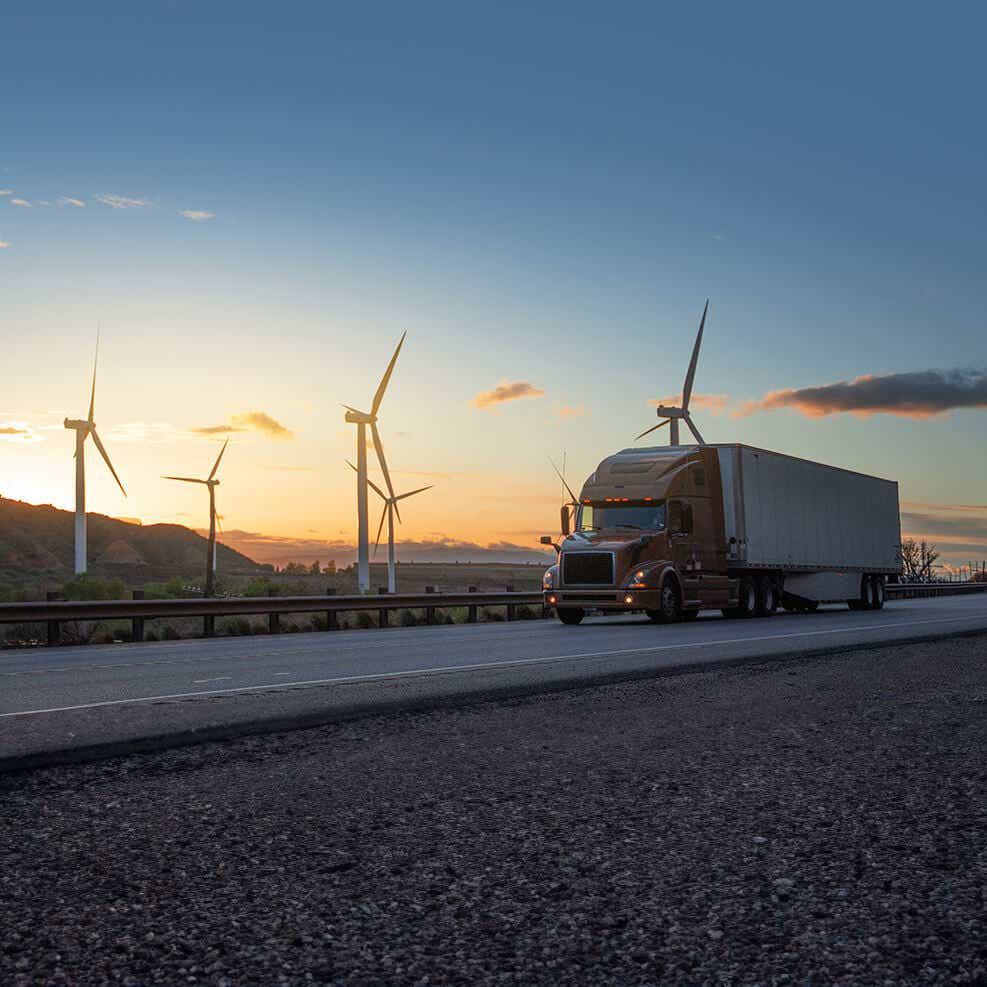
(542, 194)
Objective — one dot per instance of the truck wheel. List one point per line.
(669, 609)
(866, 599)
(879, 593)
(767, 597)
(570, 615)
(746, 599)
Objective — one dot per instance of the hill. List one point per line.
(37, 546)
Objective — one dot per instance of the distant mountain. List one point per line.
(37, 544)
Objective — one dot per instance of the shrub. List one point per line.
(407, 619)
(88, 587)
(364, 620)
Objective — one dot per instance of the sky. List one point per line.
(254, 201)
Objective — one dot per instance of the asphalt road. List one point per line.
(68, 699)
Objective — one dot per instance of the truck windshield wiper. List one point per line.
(636, 527)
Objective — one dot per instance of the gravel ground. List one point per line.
(817, 822)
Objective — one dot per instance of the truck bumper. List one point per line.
(614, 600)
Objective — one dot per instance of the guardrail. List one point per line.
(53, 613)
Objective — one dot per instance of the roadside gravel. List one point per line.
(821, 821)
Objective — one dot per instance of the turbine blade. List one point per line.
(694, 430)
(575, 499)
(687, 390)
(218, 458)
(412, 493)
(379, 447)
(648, 431)
(92, 397)
(356, 411)
(380, 493)
(380, 528)
(102, 452)
(184, 479)
(379, 396)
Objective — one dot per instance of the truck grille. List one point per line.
(587, 569)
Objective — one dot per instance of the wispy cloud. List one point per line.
(145, 432)
(20, 202)
(4, 244)
(19, 431)
(67, 200)
(261, 421)
(715, 403)
(920, 394)
(256, 421)
(197, 215)
(507, 391)
(567, 411)
(121, 201)
(6, 191)
(216, 430)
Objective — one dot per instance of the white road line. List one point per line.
(480, 666)
(220, 678)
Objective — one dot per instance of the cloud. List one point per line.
(196, 215)
(261, 421)
(217, 430)
(507, 391)
(19, 431)
(20, 202)
(121, 201)
(566, 411)
(970, 528)
(4, 244)
(67, 200)
(919, 394)
(6, 191)
(716, 403)
(256, 421)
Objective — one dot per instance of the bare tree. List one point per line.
(927, 556)
(910, 558)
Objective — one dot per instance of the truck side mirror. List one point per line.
(564, 519)
(546, 540)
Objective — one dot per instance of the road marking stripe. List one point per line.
(480, 666)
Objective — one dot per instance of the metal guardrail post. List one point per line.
(511, 609)
(137, 623)
(54, 627)
(471, 614)
(209, 626)
(382, 613)
(332, 623)
(429, 611)
(274, 623)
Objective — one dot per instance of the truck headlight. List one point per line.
(548, 580)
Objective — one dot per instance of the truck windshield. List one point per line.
(607, 517)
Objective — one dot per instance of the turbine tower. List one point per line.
(671, 414)
(362, 419)
(83, 429)
(211, 482)
(390, 507)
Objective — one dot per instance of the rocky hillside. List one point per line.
(36, 544)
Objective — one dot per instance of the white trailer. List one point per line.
(821, 526)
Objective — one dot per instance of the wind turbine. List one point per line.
(211, 482)
(362, 419)
(673, 415)
(83, 429)
(573, 499)
(390, 507)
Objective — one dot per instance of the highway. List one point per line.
(66, 699)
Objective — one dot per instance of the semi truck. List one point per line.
(674, 530)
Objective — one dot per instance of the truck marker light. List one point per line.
(628, 598)
(551, 600)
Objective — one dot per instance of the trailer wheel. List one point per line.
(879, 593)
(866, 599)
(570, 615)
(767, 597)
(669, 608)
